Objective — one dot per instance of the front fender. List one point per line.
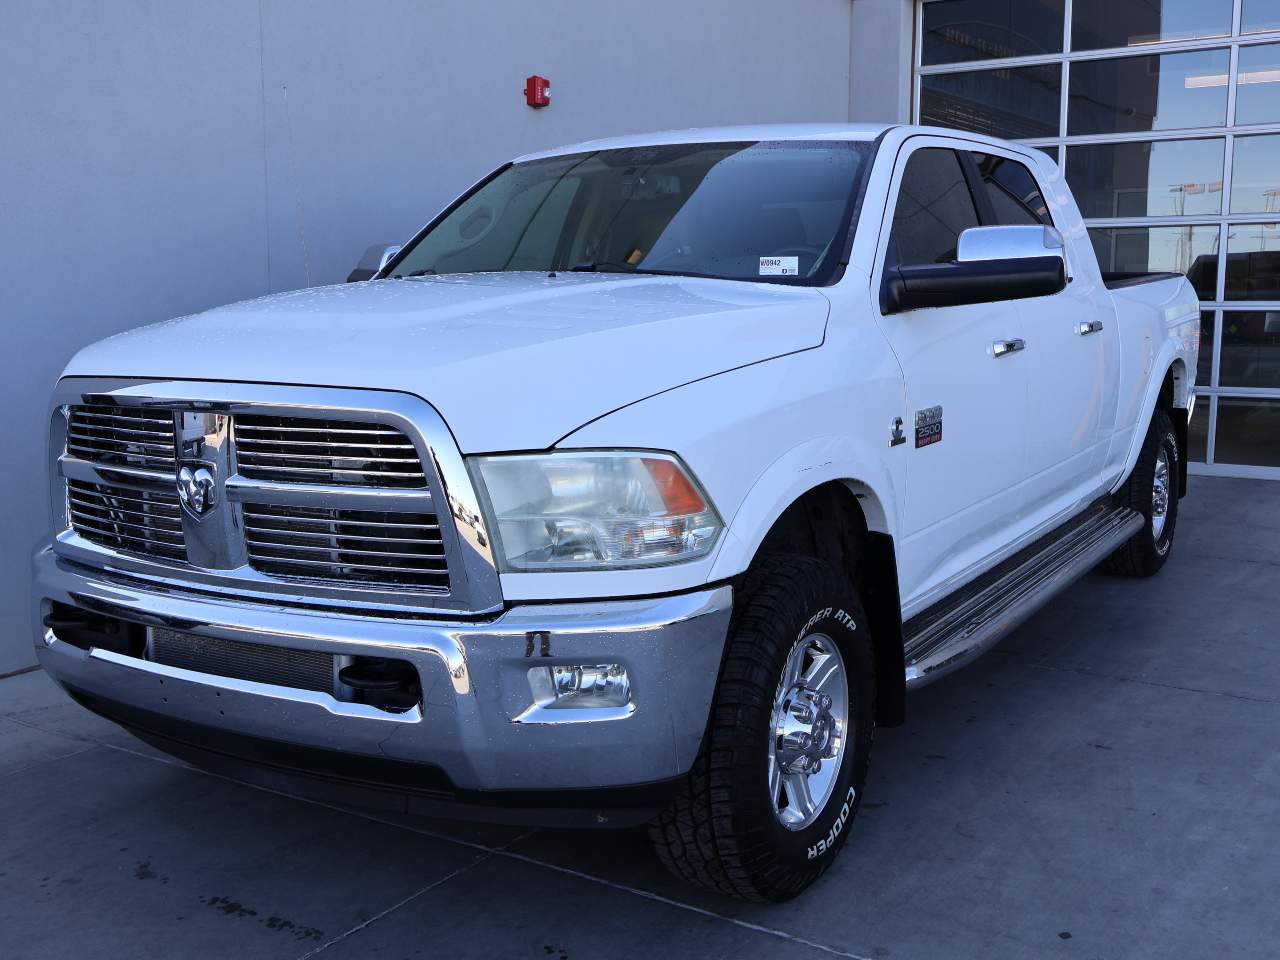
(808, 465)
(759, 437)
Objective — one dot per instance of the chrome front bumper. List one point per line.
(474, 723)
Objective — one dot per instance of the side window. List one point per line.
(934, 208)
(1013, 192)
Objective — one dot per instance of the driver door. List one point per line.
(965, 416)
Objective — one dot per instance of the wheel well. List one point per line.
(830, 522)
(1171, 390)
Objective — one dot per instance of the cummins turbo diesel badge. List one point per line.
(928, 426)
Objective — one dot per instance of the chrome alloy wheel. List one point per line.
(808, 728)
(1160, 495)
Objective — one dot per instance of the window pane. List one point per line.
(1124, 23)
(1248, 432)
(1050, 152)
(1253, 261)
(1255, 175)
(934, 208)
(1149, 93)
(1259, 15)
(1258, 84)
(1016, 104)
(716, 209)
(1250, 349)
(958, 30)
(1163, 179)
(1189, 250)
(1204, 367)
(1198, 431)
(1013, 191)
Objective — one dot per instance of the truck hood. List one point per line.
(512, 361)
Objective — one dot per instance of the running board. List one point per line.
(958, 630)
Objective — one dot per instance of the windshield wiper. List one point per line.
(603, 266)
(610, 266)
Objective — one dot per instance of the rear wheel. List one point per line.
(779, 778)
(1152, 490)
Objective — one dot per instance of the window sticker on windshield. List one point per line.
(779, 266)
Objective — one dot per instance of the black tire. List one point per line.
(721, 832)
(1146, 553)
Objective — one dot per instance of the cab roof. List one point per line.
(768, 131)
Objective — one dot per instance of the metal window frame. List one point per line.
(1233, 42)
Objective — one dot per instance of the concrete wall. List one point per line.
(882, 34)
(165, 156)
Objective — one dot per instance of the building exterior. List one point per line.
(1165, 116)
(173, 156)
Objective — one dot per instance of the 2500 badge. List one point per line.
(928, 426)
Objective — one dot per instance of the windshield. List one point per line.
(766, 211)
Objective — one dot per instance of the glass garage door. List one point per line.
(1165, 115)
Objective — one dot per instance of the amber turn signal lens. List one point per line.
(678, 494)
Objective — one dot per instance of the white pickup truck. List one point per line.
(638, 487)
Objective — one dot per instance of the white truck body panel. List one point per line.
(512, 361)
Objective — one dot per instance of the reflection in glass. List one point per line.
(1016, 104)
(1255, 175)
(1250, 349)
(1198, 431)
(1192, 250)
(1162, 179)
(1259, 15)
(958, 30)
(1165, 92)
(1253, 261)
(1258, 84)
(1012, 190)
(1106, 23)
(1204, 366)
(1248, 432)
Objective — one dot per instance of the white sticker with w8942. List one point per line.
(779, 266)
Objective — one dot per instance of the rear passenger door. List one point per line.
(964, 463)
(1069, 349)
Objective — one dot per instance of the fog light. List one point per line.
(580, 685)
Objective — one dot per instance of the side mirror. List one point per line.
(992, 264)
(1009, 243)
(371, 264)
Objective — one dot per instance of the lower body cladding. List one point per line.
(480, 723)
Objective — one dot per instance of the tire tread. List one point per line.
(695, 836)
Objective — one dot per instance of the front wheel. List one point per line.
(1152, 490)
(780, 776)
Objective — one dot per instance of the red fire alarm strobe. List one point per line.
(537, 92)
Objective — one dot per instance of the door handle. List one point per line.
(1002, 348)
(1088, 327)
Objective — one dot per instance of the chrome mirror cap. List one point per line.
(1008, 243)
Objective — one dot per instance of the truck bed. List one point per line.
(1116, 279)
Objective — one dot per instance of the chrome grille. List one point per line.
(328, 497)
(304, 450)
(405, 549)
(282, 666)
(147, 522)
(122, 436)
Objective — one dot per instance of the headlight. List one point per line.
(594, 511)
